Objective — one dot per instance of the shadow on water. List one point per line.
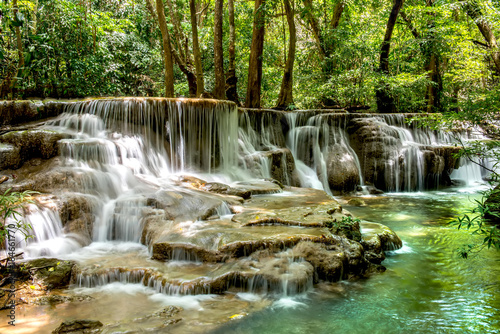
(427, 288)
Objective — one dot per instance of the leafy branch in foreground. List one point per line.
(11, 205)
(477, 221)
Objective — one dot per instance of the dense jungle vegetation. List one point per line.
(404, 56)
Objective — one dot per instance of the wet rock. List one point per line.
(52, 273)
(343, 173)
(220, 188)
(371, 190)
(281, 165)
(34, 143)
(439, 163)
(79, 327)
(168, 312)
(181, 251)
(192, 181)
(258, 187)
(377, 239)
(378, 147)
(389, 240)
(328, 265)
(186, 204)
(15, 112)
(308, 216)
(271, 122)
(10, 157)
(58, 299)
(356, 202)
(76, 213)
(172, 321)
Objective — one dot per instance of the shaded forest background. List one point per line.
(400, 56)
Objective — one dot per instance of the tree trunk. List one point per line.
(231, 79)
(432, 63)
(433, 94)
(255, 64)
(385, 102)
(337, 14)
(200, 82)
(167, 51)
(219, 89)
(474, 12)
(181, 54)
(20, 53)
(285, 98)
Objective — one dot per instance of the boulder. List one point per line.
(280, 162)
(79, 327)
(52, 273)
(10, 156)
(379, 150)
(328, 265)
(15, 112)
(343, 172)
(29, 144)
(76, 213)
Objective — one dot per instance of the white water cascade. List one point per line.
(125, 157)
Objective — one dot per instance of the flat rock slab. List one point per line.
(270, 221)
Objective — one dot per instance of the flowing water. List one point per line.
(427, 288)
(121, 152)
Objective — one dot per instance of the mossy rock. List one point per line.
(347, 227)
(53, 273)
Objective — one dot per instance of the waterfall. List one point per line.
(47, 236)
(338, 152)
(122, 149)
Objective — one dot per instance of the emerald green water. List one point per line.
(427, 288)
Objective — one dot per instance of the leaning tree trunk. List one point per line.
(200, 82)
(285, 98)
(473, 10)
(167, 51)
(385, 102)
(219, 89)
(231, 79)
(255, 64)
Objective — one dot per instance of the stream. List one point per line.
(427, 288)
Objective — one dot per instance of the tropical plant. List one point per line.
(11, 215)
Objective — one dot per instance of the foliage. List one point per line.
(77, 48)
(477, 220)
(11, 204)
(348, 227)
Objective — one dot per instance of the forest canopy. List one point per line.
(400, 56)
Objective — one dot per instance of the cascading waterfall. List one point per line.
(124, 150)
(387, 151)
(118, 151)
(48, 238)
